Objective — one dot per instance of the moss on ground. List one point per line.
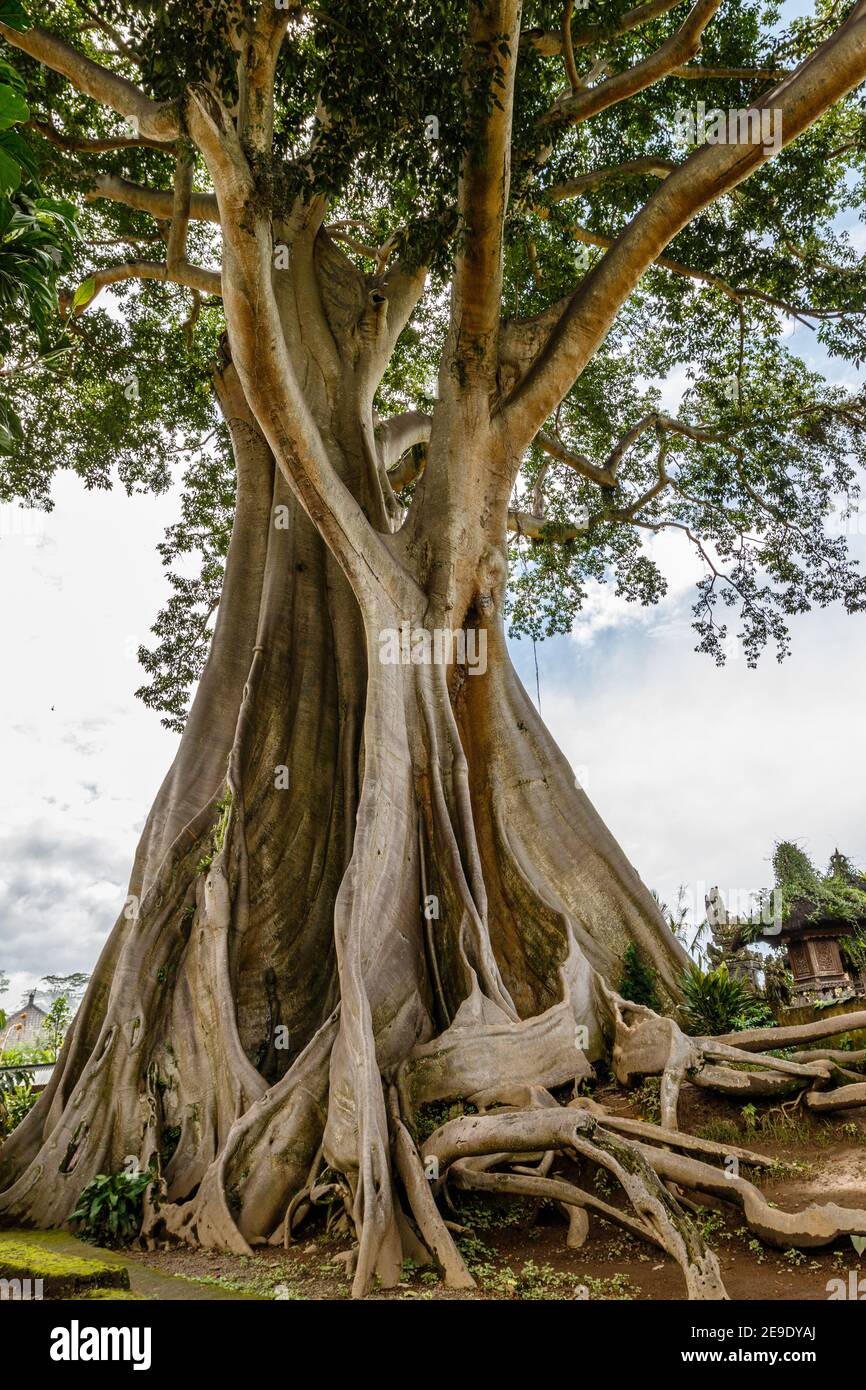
(61, 1274)
(125, 1295)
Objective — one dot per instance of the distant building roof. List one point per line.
(24, 1026)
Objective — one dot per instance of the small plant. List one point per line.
(795, 1258)
(638, 980)
(109, 1210)
(750, 1118)
(712, 1226)
(647, 1098)
(716, 1001)
(16, 1101)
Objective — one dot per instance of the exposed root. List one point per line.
(756, 1039)
(433, 1229)
(556, 1189)
(812, 1227)
(675, 1138)
(844, 1098)
(577, 1131)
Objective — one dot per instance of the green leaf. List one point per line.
(10, 173)
(13, 107)
(84, 293)
(14, 16)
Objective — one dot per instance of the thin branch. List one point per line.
(578, 462)
(175, 256)
(550, 42)
(651, 165)
(536, 528)
(568, 47)
(122, 48)
(81, 145)
(673, 53)
(706, 277)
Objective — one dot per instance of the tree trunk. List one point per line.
(356, 874)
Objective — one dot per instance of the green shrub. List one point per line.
(17, 1103)
(109, 1210)
(717, 1002)
(638, 980)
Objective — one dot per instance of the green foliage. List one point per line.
(638, 979)
(717, 1002)
(31, 1055)
(647, 1098)
(56, 1022)
(36, 235)
(224, 807)
(839, 893)
(109, 1209)
(780, 460)
(17, 1099)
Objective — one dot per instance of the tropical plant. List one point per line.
(718, 1002)
(55, 1024)
(109, 1209)
(17, 1099)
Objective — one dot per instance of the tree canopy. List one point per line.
(375, 108)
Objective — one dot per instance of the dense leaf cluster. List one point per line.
(759, 503)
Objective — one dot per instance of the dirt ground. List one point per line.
(517, 1250)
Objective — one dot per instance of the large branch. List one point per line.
(483, 188)
(155, 120)
(832, 71)
(266, 370)
(259, 65)
(193, 277)
(578, 462)
(202, 206)
(400, 433)
(706, 277)
(651, 165)
(672, 54)
(539, 528)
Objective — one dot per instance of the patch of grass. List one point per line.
(720, 1132)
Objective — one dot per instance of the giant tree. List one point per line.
(433, 259)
